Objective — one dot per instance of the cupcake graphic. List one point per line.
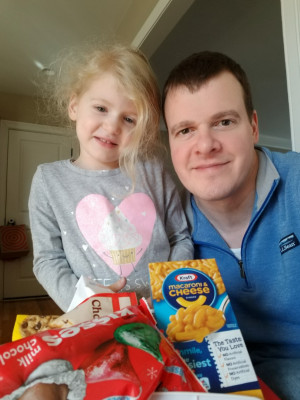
(120, 237)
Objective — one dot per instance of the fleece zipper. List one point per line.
(241, 263)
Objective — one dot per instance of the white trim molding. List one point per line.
(159, 24)
(290, 14)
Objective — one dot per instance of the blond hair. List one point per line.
(129, 66)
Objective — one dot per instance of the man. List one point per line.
(243, 208)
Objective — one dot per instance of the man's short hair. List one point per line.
(198, 68)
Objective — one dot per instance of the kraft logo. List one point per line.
(186, 277)
(288, 243)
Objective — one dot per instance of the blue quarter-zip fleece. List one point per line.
(265, 289)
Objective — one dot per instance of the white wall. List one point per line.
(290, 10)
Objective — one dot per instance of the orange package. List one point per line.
(93, 307)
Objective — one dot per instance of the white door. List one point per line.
(26, 150)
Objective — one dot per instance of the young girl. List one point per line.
(114, 209)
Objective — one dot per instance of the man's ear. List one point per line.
(255, 130)
(72, 108)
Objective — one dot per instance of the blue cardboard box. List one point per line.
(193, 310)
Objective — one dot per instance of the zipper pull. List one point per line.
(243, 275)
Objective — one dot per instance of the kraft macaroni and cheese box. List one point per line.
(192, 308)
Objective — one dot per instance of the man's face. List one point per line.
(211, 139)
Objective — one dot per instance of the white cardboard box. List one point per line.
(198, 396)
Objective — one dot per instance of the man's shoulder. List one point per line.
(282, 157)
(153, 165)
(186, 201)
(284, 162)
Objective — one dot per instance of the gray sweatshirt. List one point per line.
(91, 223)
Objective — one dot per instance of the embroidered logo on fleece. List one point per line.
(288, 242)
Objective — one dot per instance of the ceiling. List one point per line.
(32, 32)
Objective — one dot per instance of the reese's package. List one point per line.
(193, 310)
(120, 355)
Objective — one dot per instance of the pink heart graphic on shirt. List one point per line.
(132, 222)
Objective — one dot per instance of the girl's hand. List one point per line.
(46, 391)
(149, 301)
(118, 285)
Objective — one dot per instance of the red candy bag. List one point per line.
(121, 354)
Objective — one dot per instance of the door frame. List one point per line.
(290, 19)
(5, 127)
